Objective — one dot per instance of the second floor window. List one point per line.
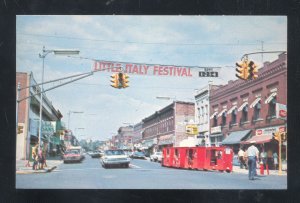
(224, 119)
(215, 121)
(245, 114)
(272, 107)
(257, 108)
(233, 116)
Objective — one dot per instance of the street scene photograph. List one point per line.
(151, 102)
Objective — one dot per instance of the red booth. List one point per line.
(200, 158)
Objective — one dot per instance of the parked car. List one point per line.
(114, 158)
(73, 154)
(138, 155)
(157, 156)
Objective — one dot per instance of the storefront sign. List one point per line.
(270, 130)
(281, 112)
(157, 70)
(216, 129)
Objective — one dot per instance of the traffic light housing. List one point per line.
(115, 80)
(20, 129)
(125, 80)
(242, 70)
(277, 136)
(252, 67)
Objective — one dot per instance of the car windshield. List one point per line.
(158, 153)
(114, 152)
(139, 153)
(73, 151)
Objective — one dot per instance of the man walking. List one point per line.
(241, 158)
(252, 157)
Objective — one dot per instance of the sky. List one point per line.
(185, 41)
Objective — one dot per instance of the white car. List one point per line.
(115, 158)
(157, 156)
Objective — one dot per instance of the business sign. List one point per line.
(281, 112)
(270, 130)
(156, 70)
(216, 129)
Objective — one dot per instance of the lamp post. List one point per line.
(43, 56)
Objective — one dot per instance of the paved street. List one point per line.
(142, 174)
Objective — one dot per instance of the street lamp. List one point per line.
(43, 56)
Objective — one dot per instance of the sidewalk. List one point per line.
(52, 163)
(237, 169)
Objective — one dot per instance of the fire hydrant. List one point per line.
(261, 168)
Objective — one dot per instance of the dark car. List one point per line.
(138, 155)
(95, 154)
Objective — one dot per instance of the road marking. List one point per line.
(134, 166)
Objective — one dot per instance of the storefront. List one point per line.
(216, 136)
(234, 139)
(264, 141)
(149, 145)
(166, 141)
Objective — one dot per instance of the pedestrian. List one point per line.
(275, 159)
(263, 157)
(34, 155)
(252, 158)
(241, 158)
(246, 159)
(40, 159)
(44, 153)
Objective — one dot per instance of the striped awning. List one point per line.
(242, 106)
(231, 109)
(255, 102)
(213, 115)
(270, 97)
(223, 111)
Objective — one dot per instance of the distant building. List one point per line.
(166, 127)
(125, 137)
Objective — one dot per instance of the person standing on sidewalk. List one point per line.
(275, 160)
(252, 158)
(34, 155)
(241, 158)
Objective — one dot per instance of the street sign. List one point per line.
(191, 129)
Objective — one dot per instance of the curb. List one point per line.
(39, 171)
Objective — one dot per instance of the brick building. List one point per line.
(28, 117)
(125, 137)
(246, 110)
(166, 127)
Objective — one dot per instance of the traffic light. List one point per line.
(242, 69)
(20, 129)
(252, 67)
(277, 136)
(283, 137)
(125, 81)
(115, 80)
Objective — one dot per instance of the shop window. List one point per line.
(272, 107)
(257, 111)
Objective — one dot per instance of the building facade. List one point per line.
(28, 117)
(166, 127)
(125, 137)
(246, 110)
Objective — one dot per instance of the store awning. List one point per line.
(213, 115)
(216, 135)
(242, 106)
(236, 137)
(259, 139)
(223, 111)
(231, 109)
(270, 97)
(255, 102)
(166, 139)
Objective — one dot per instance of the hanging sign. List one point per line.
(156, 70)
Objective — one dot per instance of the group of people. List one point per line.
(38, 155)
(250, 157)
